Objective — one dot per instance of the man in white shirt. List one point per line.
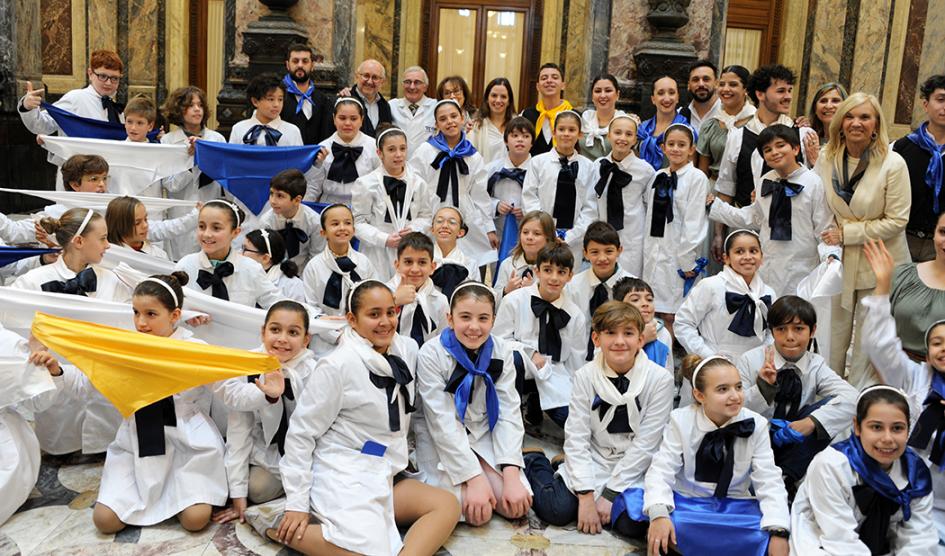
(371, 77)
(414, 112)
(703, 79)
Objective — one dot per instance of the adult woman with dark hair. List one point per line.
(456, 88)
(735, 112)
(498, 108)
(665, 98)
(823, 107)
(595, 122)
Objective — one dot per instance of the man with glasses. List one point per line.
(414, 112)
(370, 78)
(305, 106)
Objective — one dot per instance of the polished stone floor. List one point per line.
(57, 520)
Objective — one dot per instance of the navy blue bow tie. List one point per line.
(550, 322)
(565, 194)
(611, 173)
(715, 458)
(400, 379)
(397, 191)
(343, 165)
(293, 238)
(515, 174)
(272, 135)
(779, 215)
(83, 283)
(743, 306)
(207, 279)
(665, 187)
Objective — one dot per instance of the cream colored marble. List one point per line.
(63, 83)
(81, 478)
(411, 13)
(894, 67)
(551, 31)
(74, 533)
(791, 53)
(103, 24)
(317, 18)
(30, 528)
(142, 42)
(375, 38)
(868, 55)
(29, 63)
(247, 11)
(578, 52)
(699, 28)
(626, 32)
(215, 61)
(827, 44)
(176, 43)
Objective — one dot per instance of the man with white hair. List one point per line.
(414, 112)
(371, 76)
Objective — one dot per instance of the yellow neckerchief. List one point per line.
(550, 115)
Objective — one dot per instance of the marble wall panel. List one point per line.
(827, 43)
(56, 36)
(911, 56)
(628, 28)
(577, 54)
(868, 55)
(141, 57)
(103, 24)
(933, 55)
(317, 18)
(698, 31)
(247, 11)
(377, 40)
(28, 41)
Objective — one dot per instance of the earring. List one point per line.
(873, 136)
(842, 136)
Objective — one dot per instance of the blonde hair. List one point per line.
(835, 144)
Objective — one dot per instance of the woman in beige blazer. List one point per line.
(867, 188)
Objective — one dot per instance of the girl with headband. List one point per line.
(923, 383)
(350, 423)
(675, 224)
(871, 493)
(456, 174)
(727, 313)
(620, 181)
(713, 486)
(350, 154)
(559, 182)
(389, 203)
(266, 247)
(219, 269)
(466, 378)
(153, 471)
(87, 425)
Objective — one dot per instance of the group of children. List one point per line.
(413, 416)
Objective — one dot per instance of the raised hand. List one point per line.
(33, 97)
(768, 372)
(272, 384)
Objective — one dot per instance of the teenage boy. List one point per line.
(550, 103)
(266, 93)
(305, 106)
(297, 223)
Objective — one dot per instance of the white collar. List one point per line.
(335, 138)
(533, 290)
(716, 106)
(704, 424)
(802, 364)
(679, 173)
(593, 280)
(274, 124)
(204, 261)
(63, 270)
(181, 333)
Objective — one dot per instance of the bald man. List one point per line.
(370, 78)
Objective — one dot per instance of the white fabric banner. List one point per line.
(148, 264)
(824, 282)
(99, 201)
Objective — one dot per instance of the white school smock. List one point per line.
(505, 189)
(516, 321)
(595, 458)
(674, 466)
(370, 205)
(185, 185)
(247, 285)
(317, 274)
(456, 444)
(488, 140)
(335, 414)
(13, 232)
(146, 491)
(818, 381)
(289, 288)
(884, 350)
(635, 198)
(434, 303)
(252, 419)
(540, 189)
(785, 262)
(457, 257)
(474, 202)
(307, 220)
(419, 126)
(511, 265)
(581, 289)
(825, 516)
(291, 136)
(681, 244)
(323, 190)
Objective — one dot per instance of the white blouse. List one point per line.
(635, 199)
(323, 190)
(248, 285)
(540, 190)
(291, 136)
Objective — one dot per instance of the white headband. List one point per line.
(881, 387)
(740, 230)
(467, 284)
(632, 117)
(85, 222)
(444, 101)
(568, 112)
(339, 100)
(265, 235)
(928, 331)
(386, 131)
(702, 364)
(166, 286)
(236, 211)
(357, 286)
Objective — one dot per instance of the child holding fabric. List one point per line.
(536, 231)
(350, 154)
(266, 93)
(507, 173)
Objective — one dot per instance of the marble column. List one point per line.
(664, 52)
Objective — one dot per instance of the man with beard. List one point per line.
(305, 106)
(703, 78)
(414, 112)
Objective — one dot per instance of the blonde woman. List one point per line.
(867, 188)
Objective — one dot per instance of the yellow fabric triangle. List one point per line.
(550, 115)
(134, 370)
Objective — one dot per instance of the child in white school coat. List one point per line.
(266, 248)
(621, 185)
(658, 343)
(807, 403)
(260, 409)
(449, 163)
(559, 182)
(140, 117)
(452, 265)
(147, 479)
(349, 155)
(389, 203)
(676, 224)
(423, 308)
(466, 381)
(350, 423)
(507, 173)
(87, 424)
(871, 493)
(266, 93)
(591, 288)
(127, 221)
(790, 210)
(221, 270)
(332, 272)
(619, 406)
(551, 327)
(298, 224)
(536, 230)
(923, 383)
(713, 485)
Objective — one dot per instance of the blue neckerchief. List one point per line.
(462, 149)
(933, 174)
(701, 263)
(480, 368)
(9, 255)
(509, 237)
(77, 126)
(920, 479)
(931, 422)
(657, 352)
(292, 88)
(650, 146)
(245, 170)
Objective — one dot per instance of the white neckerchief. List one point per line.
(593, 280)
(604, 388)
(728, 120)
(456, 256)
(274, 273)
(591, 129)
(756, 126)
(399, 220)
(736, 284)
(374, 361)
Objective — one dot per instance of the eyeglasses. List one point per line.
(107, 78)
(413, 83)
(245, 250)
(369, 77)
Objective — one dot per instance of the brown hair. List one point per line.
(105, 59)
(179, 100)
(80, 165)
(120, 218)
(141, 106)
(65, 227)
(176, 280)
(691, 361)
(614, 315)
(467, 98)
(547, 229)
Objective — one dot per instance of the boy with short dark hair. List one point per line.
(140, 115)
(423, 309)
(550, 84)
(266, 93)
(298, 224)
(507, 174)
(659, 342)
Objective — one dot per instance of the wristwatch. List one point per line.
(779, 532)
